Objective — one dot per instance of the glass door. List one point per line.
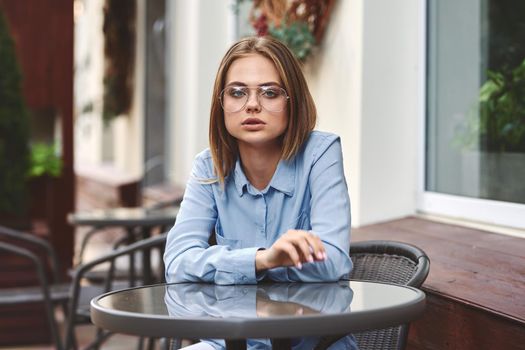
(475, 111)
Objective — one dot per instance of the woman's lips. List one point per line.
(253, 124)
(252, 121)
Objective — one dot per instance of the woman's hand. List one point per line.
(294, 248)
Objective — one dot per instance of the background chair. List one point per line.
(130, 235)
(50, 290)
(74, 296)
(388, 262)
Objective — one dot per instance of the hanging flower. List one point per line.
(300, 24)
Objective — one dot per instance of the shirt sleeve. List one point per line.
(329, 217)
(188, 256)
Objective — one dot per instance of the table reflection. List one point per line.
(262, 300)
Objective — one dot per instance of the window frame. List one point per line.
(465, 209)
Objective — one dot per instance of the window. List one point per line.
(475, 110)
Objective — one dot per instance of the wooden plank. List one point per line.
(469, 236)
(24, 324)
(449, 325)
(464, 262)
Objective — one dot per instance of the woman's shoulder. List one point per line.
(317, 136)
(204, 155)
(203, 164)
(318, 142)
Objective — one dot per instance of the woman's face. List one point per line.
(261, 121)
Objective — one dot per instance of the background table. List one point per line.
(131, 219)
(271, 310)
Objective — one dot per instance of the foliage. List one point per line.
(296, 36)
(500, 123)
(14, 128)
(299, 24)
(45, 161)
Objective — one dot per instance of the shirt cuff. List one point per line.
(244, 265)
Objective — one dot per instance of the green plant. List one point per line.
(296, 36)
(14, 129)
(499, 126)
(299, 24)
(45, 161)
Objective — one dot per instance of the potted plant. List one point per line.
(496, 130)
(300, 24)
(45, 167)
(14, 134)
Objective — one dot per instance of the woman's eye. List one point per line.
(235, 92)
(270, 93)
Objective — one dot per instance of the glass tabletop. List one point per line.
(254, 301)
(277, 310)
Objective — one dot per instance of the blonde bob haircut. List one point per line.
(301, 110)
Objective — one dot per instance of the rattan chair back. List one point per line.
(387, 262)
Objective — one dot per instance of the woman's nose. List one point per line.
(253, 105)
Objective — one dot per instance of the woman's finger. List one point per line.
(290, 250)
(301, 243)
(316, 246)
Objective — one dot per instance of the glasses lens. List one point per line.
(234, 98)
(271, 98)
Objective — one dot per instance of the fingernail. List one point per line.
(320, 255)
(310, 258)
(299, 266)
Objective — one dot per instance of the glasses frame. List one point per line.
(257, 88)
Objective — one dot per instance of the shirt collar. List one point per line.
(239, 178)
(283, 180)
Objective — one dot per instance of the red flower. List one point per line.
(261, 25)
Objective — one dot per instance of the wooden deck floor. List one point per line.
(475, 288)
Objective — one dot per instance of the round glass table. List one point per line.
(268, 310)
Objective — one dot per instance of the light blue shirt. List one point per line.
(309, 192)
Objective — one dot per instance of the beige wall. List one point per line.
(364, 78)
(200, 35)
(366, 81)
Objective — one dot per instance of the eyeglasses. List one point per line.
(271, 98)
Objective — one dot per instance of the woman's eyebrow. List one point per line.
(239, 83)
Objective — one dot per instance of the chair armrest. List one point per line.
(149, 243)
(37, 262)
(81, 270)
(44, 285)
(164, 204)
(37, 241)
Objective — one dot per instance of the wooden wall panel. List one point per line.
(448, 324)
(43, 32)
(475, 297)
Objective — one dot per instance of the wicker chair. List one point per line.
(388, 262)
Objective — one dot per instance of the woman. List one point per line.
(269, 189)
